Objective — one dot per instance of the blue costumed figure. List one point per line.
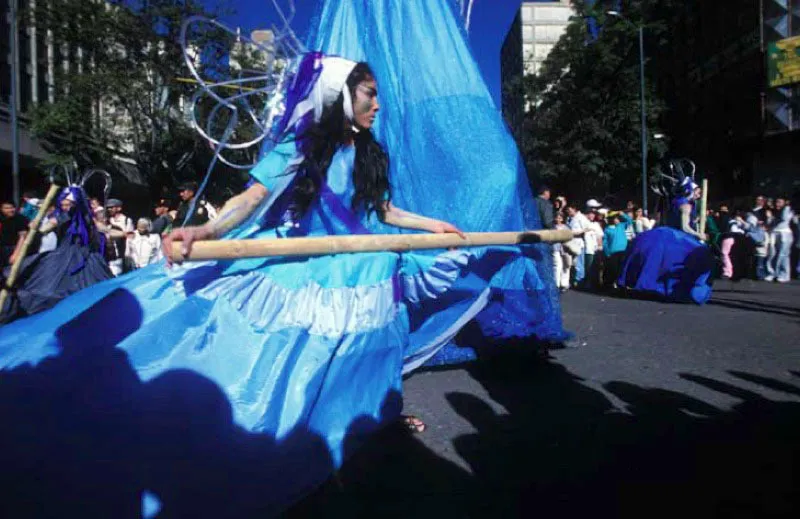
(77, 262)
(306, 355)
(672, 261)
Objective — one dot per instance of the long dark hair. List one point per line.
(319, 143)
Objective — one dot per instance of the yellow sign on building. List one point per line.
(783, 62)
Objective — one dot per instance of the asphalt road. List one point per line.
(655, 410)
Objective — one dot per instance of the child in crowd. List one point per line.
(615, 243)
(562, 258)
(757, 232)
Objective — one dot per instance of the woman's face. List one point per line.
(639, 213)
(66, 205)
(365, 104)
(559, 218)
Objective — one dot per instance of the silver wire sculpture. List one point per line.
(236, 99)
(257, 93)
(74, 178)
(236, 113)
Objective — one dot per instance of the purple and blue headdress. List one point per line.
(80, 216)
(317, 83)
(686, 187)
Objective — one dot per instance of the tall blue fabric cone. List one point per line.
(452, 156)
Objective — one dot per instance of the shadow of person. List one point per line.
(200, 464)
(560, 446)
(69, 422)
(390, 474)
(82, 436)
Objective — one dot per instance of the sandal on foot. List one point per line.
(413, 424)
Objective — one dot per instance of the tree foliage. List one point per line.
(581, 132)
(119, 89)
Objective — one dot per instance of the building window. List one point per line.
(527, 51)
(552, 14)
(549, 33)
(542, 50)
(527, 13)
(527, 33)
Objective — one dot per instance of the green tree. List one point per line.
(119, 89)
(581, 132)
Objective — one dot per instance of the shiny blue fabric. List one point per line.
(309, 352)
(452, 156)
(669, 263)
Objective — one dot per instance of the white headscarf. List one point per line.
(331, 83)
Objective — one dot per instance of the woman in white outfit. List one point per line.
(144, 248)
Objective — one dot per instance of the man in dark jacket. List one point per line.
(199, 215)
(162, 220)
(545, 207)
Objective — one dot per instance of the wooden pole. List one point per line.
(320, 246)
(33, 229)
(704, 207)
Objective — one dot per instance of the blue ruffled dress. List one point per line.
(669, 263)
(310, 344)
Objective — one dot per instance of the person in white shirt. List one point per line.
(579, 223)
(144, 247)
(593, 240)
(641, 223)
(116, 245)
(49, 240)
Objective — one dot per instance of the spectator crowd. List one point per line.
(129, 243)
(760, 241)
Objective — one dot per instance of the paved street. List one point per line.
(657, 409)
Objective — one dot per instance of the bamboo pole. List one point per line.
(320, 246)
(33, 229)
(704, 207)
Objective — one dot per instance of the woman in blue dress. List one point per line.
(311, 345)
(337, 177)
(672, 261)
(310, 351)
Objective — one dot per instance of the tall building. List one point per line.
(542, 24)
(36, 59)
(743, 133)
(532, 35)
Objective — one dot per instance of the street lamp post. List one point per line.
(617, 14)
(14, 54)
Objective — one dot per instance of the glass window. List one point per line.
(527, 13)
(549, 32)
(542, 50)
(527, 33)
(552, 14)
(527, 51)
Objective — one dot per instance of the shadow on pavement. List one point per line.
(83, 436)
(757, 306)
(562, 448)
